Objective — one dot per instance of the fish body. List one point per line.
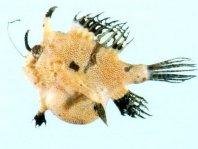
(77, 72)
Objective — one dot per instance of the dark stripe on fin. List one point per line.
(110, 34)
(170, 70)
(101, 112)
(132, 105)
(26, 41)
(39, 119)
(50, 12)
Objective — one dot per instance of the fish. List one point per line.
(77, 72)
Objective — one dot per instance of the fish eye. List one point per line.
(37, 51)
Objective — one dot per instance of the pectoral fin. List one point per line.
(132, 105)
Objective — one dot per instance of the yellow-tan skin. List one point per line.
(71, 94)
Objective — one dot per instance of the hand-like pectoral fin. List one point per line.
(40, 119)
(132, 105)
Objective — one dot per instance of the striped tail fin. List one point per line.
(173, 70)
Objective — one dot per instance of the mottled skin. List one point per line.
(73, 72)
(71, 94)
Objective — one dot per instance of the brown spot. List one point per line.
(55, 74)
(127, 69)
(92, 59)
(74, 66)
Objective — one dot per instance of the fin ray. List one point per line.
(170, 70)
(132, 105)
(113, 33)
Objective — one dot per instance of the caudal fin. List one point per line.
(173, 70)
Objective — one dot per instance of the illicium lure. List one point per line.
(78, 71)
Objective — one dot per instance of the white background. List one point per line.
(162, 30)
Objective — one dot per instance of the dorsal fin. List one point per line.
(110, 34)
